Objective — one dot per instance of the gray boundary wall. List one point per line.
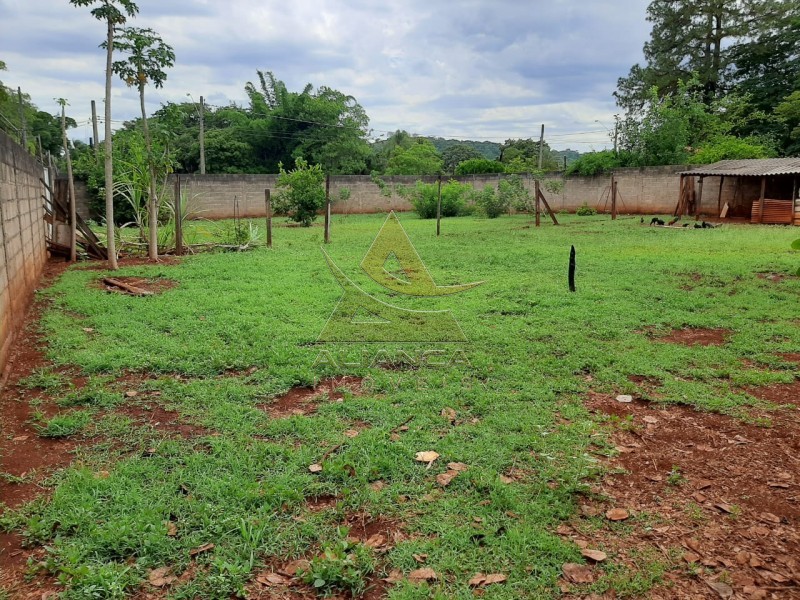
(649, 190)
(23, 249)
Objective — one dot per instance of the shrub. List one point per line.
(424, 198)
(302, 192)
(489, 203)
(342, 566)
(478, 166)
(584, 210)
(511, 192)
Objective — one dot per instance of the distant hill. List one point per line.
(572, 156)
(490, 150)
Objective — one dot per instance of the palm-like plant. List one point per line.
(147, 57)
(115, 13)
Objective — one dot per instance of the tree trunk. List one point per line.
(73, 234)
(152, 246)
(109, 165)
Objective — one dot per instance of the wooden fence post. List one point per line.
(537, 206)
(327, 209)
(613, 198)
(439, 206)
(268, 204)
(178, 218)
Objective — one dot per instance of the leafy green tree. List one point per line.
(147, 57)
(522, 156)
(115, 13)
(478, 166)
(457, 154)
(301, 192)
(421, 158)
(598, 163)
(688, 36)
(729, 147)
(789, 112)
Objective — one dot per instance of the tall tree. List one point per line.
(115, 13)
(147, 57)
(458, 153)
(688, 36)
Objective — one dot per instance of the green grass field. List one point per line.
(239, 329)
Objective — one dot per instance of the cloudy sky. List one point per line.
(468, 69)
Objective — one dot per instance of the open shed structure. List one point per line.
(758, 190)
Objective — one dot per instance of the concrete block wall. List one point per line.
(22, 237)
(651, 190)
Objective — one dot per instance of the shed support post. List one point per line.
(761, 199)
(719, 197)
(699, 200)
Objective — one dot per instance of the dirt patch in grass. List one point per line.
(697, 336)
(163, 420)
(154, 285)
(790, 356)
(716, 498)
(304, 400)
(773, 277)
(779, 393)
(23, 454)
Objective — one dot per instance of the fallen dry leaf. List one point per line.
(271, 579)
(690, 557)
(420, 558)
(444, 479)
(201, 549)
(481, 580)
(131, 393)
(724, 507)
(507, 479)
(425, 574)
(769, 518)
(88, 329)
(377, 486)
(21, 438)
(777, 484)
(375, 541)
(577, 573)
(426, 457)
(449, 414)
(351, 433)
(650, 420)
(395, 437)
(595, 555)
(617, 514)
(294, 567)
(395, 576)
(315, 468)
(172, 529)
(457, 466)
(723, 589)
(160, 577)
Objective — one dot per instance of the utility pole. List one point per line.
(202, 141)
(541, 147)
(94, 128)
(23, 124)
